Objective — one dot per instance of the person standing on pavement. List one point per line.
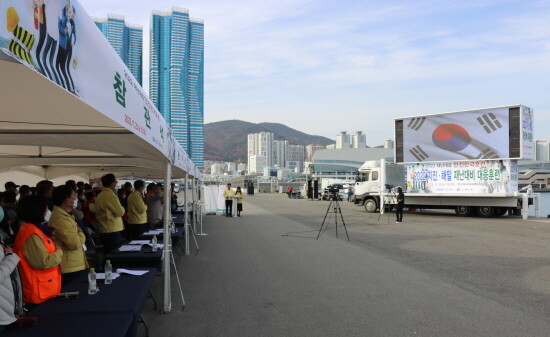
(108, 213)
(239, 193)
(400, 205)
(154, 206)
(137, 211)
(350, 193)
(68, 233)
(39, 255)
(228, 194)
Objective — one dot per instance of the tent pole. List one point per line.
(167, 238)
(202, 199)
(193, 196)
(186, 216)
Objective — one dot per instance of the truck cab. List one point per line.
(373, 178)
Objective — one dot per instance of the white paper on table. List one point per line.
(154, 232)
(130, 248)
(101, 276)
(132, 272)
(139, 242)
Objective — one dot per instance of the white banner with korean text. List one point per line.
(483, 177)
(59, 40)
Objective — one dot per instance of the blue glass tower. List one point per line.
(176, 77)
(127, 41)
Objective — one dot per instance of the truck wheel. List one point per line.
(485, 211)
(463, 210)
(370, 205)
(500, 211)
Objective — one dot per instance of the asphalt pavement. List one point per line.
(265, 274)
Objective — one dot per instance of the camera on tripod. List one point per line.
(333, 192)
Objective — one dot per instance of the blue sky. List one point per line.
(327, 66)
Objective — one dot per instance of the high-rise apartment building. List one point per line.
(359, 140)
(260, 144)
(256, 164)
(295, 154)
(388, 144)
(176, 77)
(343, 140)
(280, 149)
(127, 41)
(231, 167)
(310, 150)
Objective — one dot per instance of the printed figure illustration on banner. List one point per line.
(490, 176)
(460, 136)
(59, 40)
(43, 38)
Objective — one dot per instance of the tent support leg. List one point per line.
(186, 224)
(166, 249)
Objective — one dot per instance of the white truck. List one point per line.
(486, 188)
(463, 160)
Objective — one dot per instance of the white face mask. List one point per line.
(48, 215)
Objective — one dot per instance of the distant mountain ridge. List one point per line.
(227, 140)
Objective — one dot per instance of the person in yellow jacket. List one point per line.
(68, 234)
(39, 254)
(137, 211)
(228, 194)
(108, 214)
(239, 194)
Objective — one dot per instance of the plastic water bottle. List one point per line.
(92, 283)
(172, 226)
(154, 243)
(108, 272)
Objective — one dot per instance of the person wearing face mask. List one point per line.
(44, 189)
(39, 255)
(77, 206)
(68, 234)
(137, 211)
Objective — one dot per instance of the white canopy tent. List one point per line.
(43, 128)
(47, 130)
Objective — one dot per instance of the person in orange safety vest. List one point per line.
(40, 256)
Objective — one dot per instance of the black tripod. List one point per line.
(334, 207)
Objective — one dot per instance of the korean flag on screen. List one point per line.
(468, 135)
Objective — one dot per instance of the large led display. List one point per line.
(486, 134)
